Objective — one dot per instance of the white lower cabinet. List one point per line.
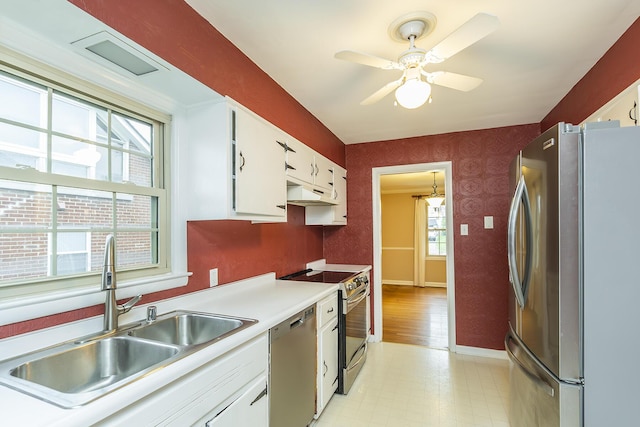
(251, 408)
(225, 392)
(327, 380)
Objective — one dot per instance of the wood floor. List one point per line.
(412, 315)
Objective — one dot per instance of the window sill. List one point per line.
(27, 308)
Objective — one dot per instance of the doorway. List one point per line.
(406, 306)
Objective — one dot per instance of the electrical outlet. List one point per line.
(464, 229)
(213, 277)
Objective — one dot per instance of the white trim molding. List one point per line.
(376, 173)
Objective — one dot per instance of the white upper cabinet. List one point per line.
(623, 107)
(336, 214)
(260, 182)
(300, 160)
(306, 166)
(323, 176)
(235, 167)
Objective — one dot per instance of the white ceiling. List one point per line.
(540, 51)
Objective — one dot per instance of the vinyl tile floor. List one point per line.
(405, 385)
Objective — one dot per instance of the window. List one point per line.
(73, 169)
(437, 230)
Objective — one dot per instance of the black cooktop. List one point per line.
(319, 276)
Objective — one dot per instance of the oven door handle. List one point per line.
(363, 353)
(351, 303)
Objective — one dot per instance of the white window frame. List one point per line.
(429, 254)
(173, 253)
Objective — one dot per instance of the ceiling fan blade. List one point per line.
(475, 29)
(382, 92)
(367, 59)
(452, 80)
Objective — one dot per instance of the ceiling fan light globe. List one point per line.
(413, 93)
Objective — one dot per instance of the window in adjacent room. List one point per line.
(436, 230)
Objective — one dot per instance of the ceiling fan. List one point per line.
(413, 89)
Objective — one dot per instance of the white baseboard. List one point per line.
(436, 284)
(482, 352)
(410, 283)
(398, 282)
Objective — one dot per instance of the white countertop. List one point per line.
(321, 264)
(263, 298)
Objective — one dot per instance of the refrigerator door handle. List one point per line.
(540, 382)
(520, 287)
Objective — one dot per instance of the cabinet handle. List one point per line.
(330, 310)
(317, 170)
(318, 191)
(243, 161)
(288, 166)
(334, 328)
(334, 381)
(262, 394)
(326, 368)
(312, 169)
(281, 206)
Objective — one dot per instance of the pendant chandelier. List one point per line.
(434, 199)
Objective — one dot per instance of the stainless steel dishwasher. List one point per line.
(293, 370)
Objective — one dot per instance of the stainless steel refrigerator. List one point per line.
(573, 253)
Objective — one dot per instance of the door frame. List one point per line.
(376, 173)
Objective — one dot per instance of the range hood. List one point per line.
(303, 195)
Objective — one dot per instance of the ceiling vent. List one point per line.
(114, 53)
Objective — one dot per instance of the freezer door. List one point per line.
(537, 397)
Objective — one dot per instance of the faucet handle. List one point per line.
(129, 304)
(152, 312)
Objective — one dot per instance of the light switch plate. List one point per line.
(213, 277)
(464, 229)
(488, 222)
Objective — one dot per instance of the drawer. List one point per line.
(327, 309)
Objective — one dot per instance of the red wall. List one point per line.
(480, 174)
(618, 69)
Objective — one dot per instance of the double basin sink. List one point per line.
(77, 372)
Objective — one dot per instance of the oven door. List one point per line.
(354, 338)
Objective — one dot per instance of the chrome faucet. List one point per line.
(111, 308)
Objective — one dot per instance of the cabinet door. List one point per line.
(329, 365)
(340, 194)
(250, 409)
(300, 162)
(323, 173)
(259, 167)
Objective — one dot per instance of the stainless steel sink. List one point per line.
(76, 372)
(190, 328)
